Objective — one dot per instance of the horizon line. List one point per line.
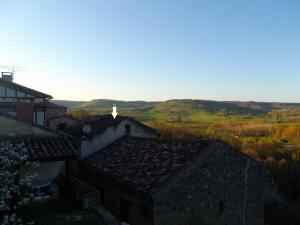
(193, 99)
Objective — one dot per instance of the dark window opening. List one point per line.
(124, 210)
(101, 196)
(221, 206)
(35, 117)
(127, 129)
(61, 126)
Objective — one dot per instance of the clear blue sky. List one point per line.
(155, 50)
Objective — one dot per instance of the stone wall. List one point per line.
(224, 187)
(140, 209)
(52, 123)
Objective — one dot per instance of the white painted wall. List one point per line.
(111, 134)
(46, 173)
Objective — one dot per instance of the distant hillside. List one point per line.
(186, 106)
(106, 103)
(69, 104)
(207, 106)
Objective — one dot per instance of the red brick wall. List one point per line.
(25, 112)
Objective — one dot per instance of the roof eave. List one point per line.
(29, 90)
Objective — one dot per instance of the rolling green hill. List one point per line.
(183, 105)
(186, 110)
(104, 103)
(183, 110)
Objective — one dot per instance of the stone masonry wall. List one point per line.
(140, 210)
(224, 187)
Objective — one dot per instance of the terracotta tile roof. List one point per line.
(142, 163)
(46, 148)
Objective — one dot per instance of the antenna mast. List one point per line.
(8, 72)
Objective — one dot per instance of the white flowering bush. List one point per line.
(14, 192)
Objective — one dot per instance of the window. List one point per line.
(221, 206)
(127, 129)
(101, 199)
(124, 209)
(39, 118)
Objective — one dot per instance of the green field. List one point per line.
(267, 132)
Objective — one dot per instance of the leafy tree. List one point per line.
(80, 113)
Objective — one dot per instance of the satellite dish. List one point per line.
(86, 128)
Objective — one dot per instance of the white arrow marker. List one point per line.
(114, 112)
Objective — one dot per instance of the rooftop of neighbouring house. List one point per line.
(142, 163)
(27, 90)
(11, 127)
(41, 143)
(100, 123)
(45, 148)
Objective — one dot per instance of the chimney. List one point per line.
(7, 76)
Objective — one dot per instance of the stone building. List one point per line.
(146, 181)
(97, 132)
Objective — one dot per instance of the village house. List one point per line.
(97, 132)
(24, 114)
(148, 181)
(51, 150)
(123, 165)
(26, 104)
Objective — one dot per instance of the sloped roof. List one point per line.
(11, 127)
(100, 123)
(27, 90)
(43, 105)
(142, 163)
(45, 148)
(42, 144)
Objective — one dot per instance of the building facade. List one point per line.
(146, 181)
(26, 104)
(97, 132)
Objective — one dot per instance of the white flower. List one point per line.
(11, 157)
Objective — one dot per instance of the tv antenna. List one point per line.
(13, 69)
(9, 71)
